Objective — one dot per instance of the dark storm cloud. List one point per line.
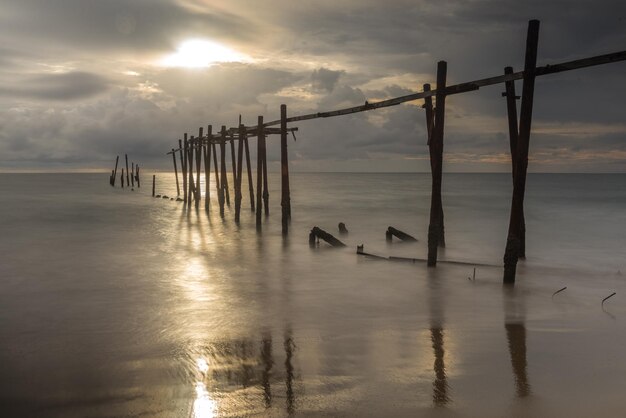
(65, 86)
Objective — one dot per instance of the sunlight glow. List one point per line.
(204, 406)
(199, 53)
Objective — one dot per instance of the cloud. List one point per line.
(67, 86)
(78, 84)
(324, 79)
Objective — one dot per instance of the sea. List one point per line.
(114, 303)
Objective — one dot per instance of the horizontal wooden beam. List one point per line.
(464, 87)
(449, 90)
(217, 139)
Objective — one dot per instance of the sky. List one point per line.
(82, 81)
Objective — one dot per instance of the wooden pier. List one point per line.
(204, 145)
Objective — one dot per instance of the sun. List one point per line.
(199, 53)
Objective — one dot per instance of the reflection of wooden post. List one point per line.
(436, 163)
(250, 185)
(175, 172)
(516, 336)
(511, 109)
(207, 167)
(512, 250)
(285, 200)
(242, 134)
(268, 362)
(259, 169)
(440, 385)
(289, 348)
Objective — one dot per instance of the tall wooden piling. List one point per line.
(259, 169)
(117, 160)
(183, 164)
(137, 176)
(190, 158)
(249, 169)
(285, 201)
(207, 167)
(122, 178)
(224, 185)
(199, 165)
(127, 172)
(436, 164)
(111, 177)
(511, 109)
(430, 125)
(511, 253)
(175, 172)
(132, 175)
(233, 162)
(153, 184)
(266, 193)
(238, 195)
(218, 185)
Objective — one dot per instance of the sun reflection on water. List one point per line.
(203, 406)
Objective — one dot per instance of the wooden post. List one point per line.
(224, 172)
(511, 253)
(122, 178)
(192, 188)
(511, 109)
(137, 176)
(111, 177)
(117, 159)
(238, 196)
(183, 163)
(266, 194)
(259, 169)
(285, 201)
(207, 167)
(198, 165)
(233, 163)
(430, 125)
(132, 175)
(250, 185)
(175, 172)
(436, 163)
(153, 184)
(127, 173)
(224, 185)
(218, 185)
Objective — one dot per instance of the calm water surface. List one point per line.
(115, 304)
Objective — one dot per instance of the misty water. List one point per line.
(117, 304)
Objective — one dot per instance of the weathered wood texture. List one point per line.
(511, 109)
(436, 163)
(511, 253)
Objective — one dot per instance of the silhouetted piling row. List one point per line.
(196, 150)
(132, 174)
(435, 116)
